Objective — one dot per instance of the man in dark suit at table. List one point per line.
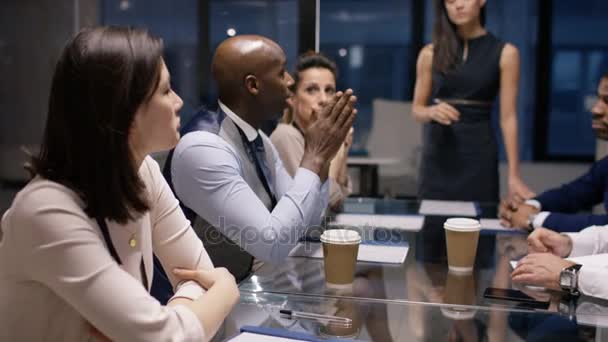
(556, 209)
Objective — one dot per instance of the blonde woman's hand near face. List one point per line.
(327, 132)
(348, 142)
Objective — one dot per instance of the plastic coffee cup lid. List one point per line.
(462, 224)
(341, 237)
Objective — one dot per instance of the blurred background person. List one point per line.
(457, 79)
(315, 84)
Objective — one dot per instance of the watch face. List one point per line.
(566, 279)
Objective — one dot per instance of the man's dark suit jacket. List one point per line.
(583, 193)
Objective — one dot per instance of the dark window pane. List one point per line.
(275, 19)
(579, 58)
(370, 42)
(176, 22)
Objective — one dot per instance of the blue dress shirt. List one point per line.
(208, 178)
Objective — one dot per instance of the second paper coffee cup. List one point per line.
(461, 236)
(340, 249)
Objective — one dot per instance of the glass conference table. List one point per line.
(386, 321)
(417, 296)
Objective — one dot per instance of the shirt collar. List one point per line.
(250, 132)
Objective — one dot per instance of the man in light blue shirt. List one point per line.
(227, 173)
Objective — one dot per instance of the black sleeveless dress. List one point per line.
(460, 161)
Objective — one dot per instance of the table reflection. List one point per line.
(443, 304)
(404, 321)
(422, 277)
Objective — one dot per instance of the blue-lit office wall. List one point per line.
(277, 20)
(177, 23)
(579, 57)
(371, 42)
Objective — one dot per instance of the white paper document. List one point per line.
(447, 208)
(359, 207)
(494, 224)
(251, 337)
(383, 254)
(367, 253)
(401, 222)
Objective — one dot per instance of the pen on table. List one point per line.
(347, 322)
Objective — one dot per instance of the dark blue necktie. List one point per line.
(256, 152)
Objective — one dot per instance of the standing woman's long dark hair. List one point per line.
(445, 38)
(100, 80)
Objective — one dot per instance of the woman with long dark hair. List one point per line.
(458, 77)
(76, 244)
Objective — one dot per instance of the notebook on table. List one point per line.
(265, 334)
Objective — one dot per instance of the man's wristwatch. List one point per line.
(568, 279)
(530, 222)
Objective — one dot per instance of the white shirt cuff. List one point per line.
(591, 281)
(540, 218)
(587, 281)
(309, 176)
(534, 203)
(581, 246)
(591, 277)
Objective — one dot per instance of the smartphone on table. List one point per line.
(514, 296)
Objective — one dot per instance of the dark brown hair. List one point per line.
(446, 39)
(312, 59)
(308, 60)
(103, 76)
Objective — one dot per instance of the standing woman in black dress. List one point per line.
(457, 79)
